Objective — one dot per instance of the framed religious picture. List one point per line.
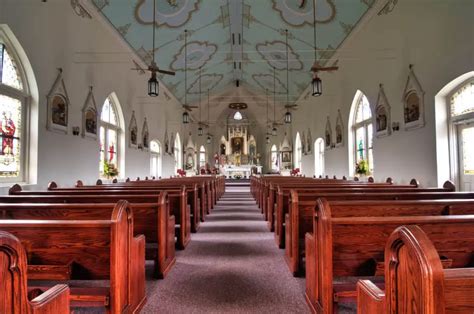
(145, 136)
(328, 134)
(58, 106)
(382, 114)
(133, 132)
(286, 156)
(89, 117)
(413, 102)
(339, 130)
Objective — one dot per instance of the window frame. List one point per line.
(298, 162)
(274, 167)
(109, 126)
(365, 125)
(158, 155)
(453, 137)
(202, 153)
(319, 155)
(25, 99)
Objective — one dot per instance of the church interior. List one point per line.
(236, 156)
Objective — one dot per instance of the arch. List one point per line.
(156, 158)
(298, 152)
(274, 162)
(319, 157)
(202, 156)
(178, 156)
(111, 135)
(21, 106)
(360, 132)
(446, 129)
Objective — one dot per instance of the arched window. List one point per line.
(319, 157)
(361, 135)
(461, 105)
(274, 159)
(178, 157)
(14, 114)
(202, 157)
(155, 159)
(110, 133)
(298, 151)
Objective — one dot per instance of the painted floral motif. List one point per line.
(208, 82)
(297, 13)
(265, 81)
(170, 13)
(275, 54)
(199, 53)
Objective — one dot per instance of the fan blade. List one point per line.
(166, 72)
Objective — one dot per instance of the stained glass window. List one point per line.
(108, 136)
(274, 161)
(462, 101)
(363, 133)
(178, 159)
(319, 157)
(9, 70)
(468, 150)
(11, 117)
(10, 135)
(298, 151)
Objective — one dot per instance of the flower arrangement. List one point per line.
(295, 172)
(181, 172)
(110, 170)
(362, 167)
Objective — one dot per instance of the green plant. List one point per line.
(110, 170)
(362, 167)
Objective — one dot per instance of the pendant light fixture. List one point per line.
(274, 129)
(208, 140)
(316, 83)
(185, 113)
(200, 130)
(288, 113)
(153, 85)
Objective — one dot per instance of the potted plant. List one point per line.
(362, 168)
(110, 170)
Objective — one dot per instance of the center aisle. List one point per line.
(231, 265)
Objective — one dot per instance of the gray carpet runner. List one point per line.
(232, 265)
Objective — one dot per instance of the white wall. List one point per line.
(435, 36)
(53, 36)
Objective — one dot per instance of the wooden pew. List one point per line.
(151, 220)
(13, 284)
(416, 281)
(88, 250)
(283, 198)
(347, 248)
(177, 203)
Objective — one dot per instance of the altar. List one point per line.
(243, 171)
(237, 156)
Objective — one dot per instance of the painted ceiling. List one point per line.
(231, 40)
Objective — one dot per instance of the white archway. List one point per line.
(446, 137)
(360, 132)
(319, 157)
(298, 153)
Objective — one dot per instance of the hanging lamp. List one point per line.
(288, 117)
(185, 113)
(153, 85)
(274, 129)
(316, 83)
(200, 130)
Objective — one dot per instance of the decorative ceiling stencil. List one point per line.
(298, 13)
(172, 13)
(234, 40)
(198, 55)
(275, 54)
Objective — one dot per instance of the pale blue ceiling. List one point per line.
(210, 25)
